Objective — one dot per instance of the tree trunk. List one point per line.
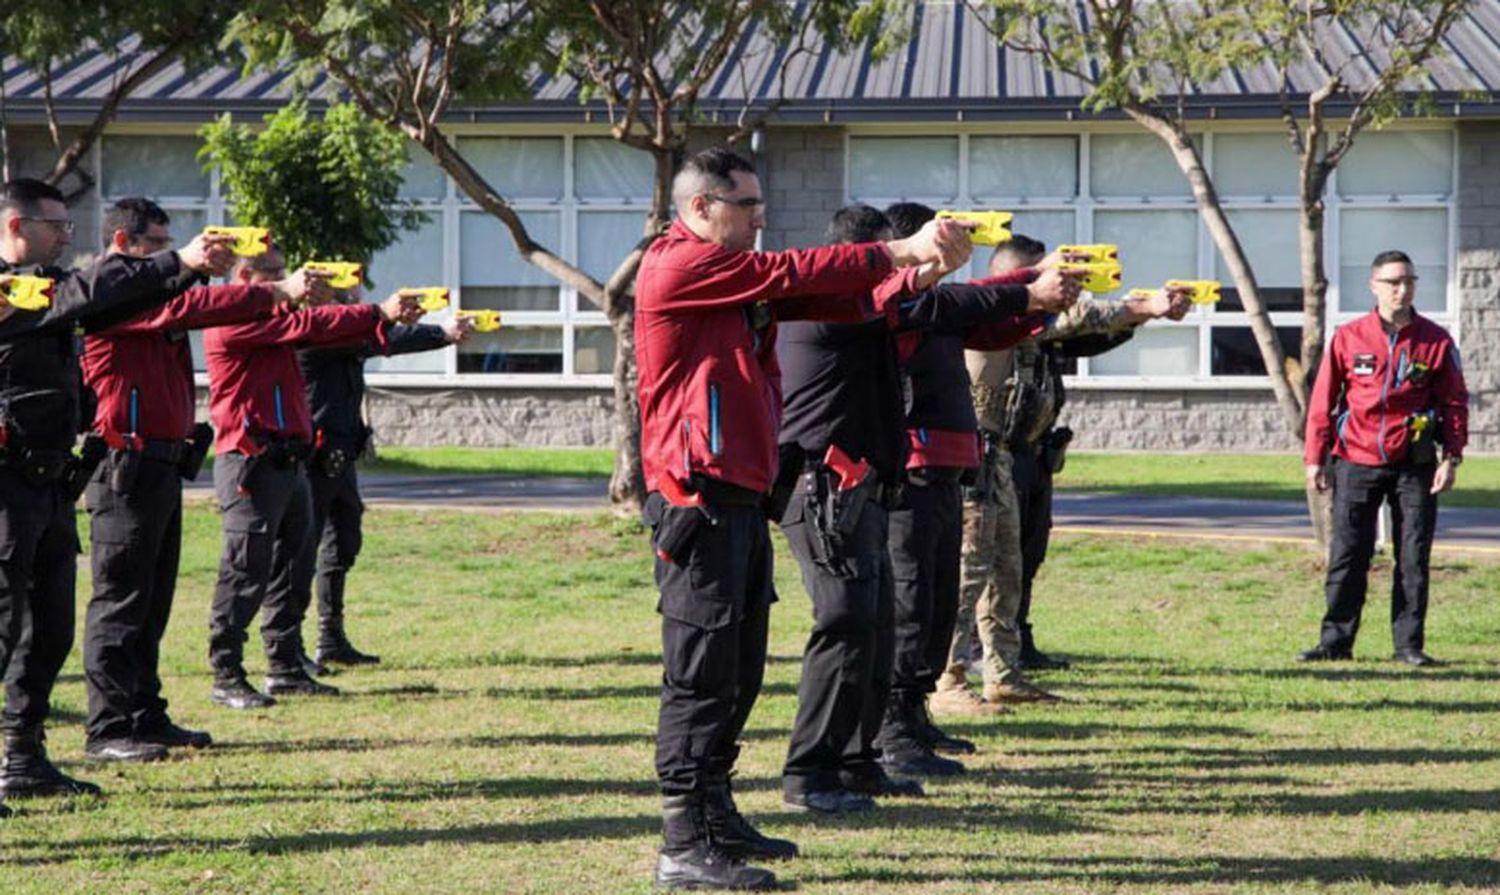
(627, 485)
(1186, 155)
(1320, 513)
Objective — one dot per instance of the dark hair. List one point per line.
(908, 217)
(24, 193)
(858, 223)
(717, 165)
(1391, 256)
(1022, 246)
(133, 215)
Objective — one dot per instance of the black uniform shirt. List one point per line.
(335, 378)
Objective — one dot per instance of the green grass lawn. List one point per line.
(505, 743)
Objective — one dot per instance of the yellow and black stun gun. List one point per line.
(342, 274)
(482, 321)
(429, 298)
(248, 241)
(1204, 292)
(1097, 277)
(28, 293)
(993, 229)
(1094, 253)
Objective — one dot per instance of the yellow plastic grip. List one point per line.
(429, 298)
(1098, 278)
(1205, 292)
(28, 293)
(343, 274)
(484, 321)
(993, 229)
(248, 241)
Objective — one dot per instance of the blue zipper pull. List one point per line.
(280, 416)
(135, 410)
(713, 419)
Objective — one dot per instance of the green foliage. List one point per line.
(328, 188)
(41, 32)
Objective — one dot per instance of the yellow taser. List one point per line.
(342, 274)
(993, 229)
(248, 241)
(28, 293)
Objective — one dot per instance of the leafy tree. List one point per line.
(1146, 58)
(411, 64)
(328, 188)
(147, 37)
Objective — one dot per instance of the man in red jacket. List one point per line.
(1390, 394)
(258, 402)
(710, 395)
(142, 374)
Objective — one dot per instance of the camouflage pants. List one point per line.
(990, 580)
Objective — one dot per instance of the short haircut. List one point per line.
(710, 169)
(134, 215)
(24, 195)
(908, 217)
(858, 223)
(1019, 246)
(1391, 256)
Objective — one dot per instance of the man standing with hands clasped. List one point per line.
(1389, 400)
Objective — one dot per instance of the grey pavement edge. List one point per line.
(1459, 528)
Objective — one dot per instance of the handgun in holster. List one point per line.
(195, 451)
(1025, 398)
(1055, 448)
(839, 489)
(675, 515)
(983, 489)
(81, 467)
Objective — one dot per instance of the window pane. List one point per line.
(1271, 243)
(519, 167)
(521, 349)
(1023, 166)
(1155, 351)
(1133, 165)
(416, 259)
(606, 169)
(1254, 165)
(1236, 353)
(593, 349)
(1421, 233)
(186, 224)
(604, 239)
(1054, 228)
(154, 167)
(1396, 163)
(882, 168)
(1155, 246)
(489, 256)
(423, 179)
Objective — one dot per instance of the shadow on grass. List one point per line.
(136, 848)
(1199, 869)
(928, 814)
(241, 794)
(642, 691)
(520, 660)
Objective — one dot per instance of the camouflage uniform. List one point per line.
(991, 577)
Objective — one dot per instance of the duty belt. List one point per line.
(36, 464)
(165, 450)
(922, 476)
(887, 494)
(721, 493)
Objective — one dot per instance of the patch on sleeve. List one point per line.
(1364, 364)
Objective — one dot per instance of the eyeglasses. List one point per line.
(159, 243)
(62, 224)
(742, 202)
(1400, 281)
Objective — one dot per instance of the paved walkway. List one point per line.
(1264, 521)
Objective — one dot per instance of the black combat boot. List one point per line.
(27, 772)
(935, 737)
(733, 833)
(1033, 659)
(334, 646)
(689, 858)
(904, 749)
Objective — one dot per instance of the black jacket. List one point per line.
(335, 378)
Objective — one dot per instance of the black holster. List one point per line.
(79, 469)
(672, 527)
(1054, 453)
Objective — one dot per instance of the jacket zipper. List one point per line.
(714, 434)
(1385, 390)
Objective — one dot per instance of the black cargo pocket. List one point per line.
(695, 609)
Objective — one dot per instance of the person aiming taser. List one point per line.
(1387, 422)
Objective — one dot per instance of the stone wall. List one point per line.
(1479, 279)
(1208, 420)
(804, 184)
(491, 417)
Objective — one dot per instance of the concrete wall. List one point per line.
(1207, 420)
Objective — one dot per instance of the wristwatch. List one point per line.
(1453, 460)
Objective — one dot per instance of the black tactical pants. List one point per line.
(715, 605)
(846, 668)
(926, 536)
(38, 571)
(1357, 494)
(336, 538)
(1033, 480)
(136, 538)
(266, 521)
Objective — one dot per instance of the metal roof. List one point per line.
(952, 69)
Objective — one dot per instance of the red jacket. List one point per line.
(1385, 379)
(255, 386)
(710, 386)
(142, 370)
